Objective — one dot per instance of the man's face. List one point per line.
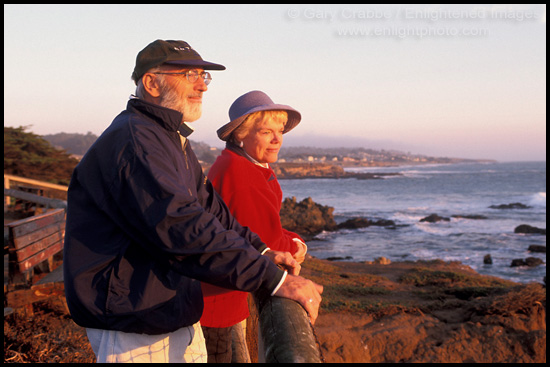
(181, 95)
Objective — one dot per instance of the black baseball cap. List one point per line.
(169, 52)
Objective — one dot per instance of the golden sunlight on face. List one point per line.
(264, 140)
(184, 96)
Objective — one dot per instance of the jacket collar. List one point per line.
(167, 118)
(240, 151)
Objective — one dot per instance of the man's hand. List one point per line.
(285, 260)
(303, 291)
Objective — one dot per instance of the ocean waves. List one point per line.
(464, 190)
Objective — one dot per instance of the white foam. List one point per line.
(538, 200)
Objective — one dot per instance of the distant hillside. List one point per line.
(357, 156)
(78, 145)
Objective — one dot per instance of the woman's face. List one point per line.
(264, 140)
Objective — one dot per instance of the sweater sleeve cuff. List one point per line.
(299, 241)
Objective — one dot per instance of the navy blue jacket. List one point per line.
(144, 226)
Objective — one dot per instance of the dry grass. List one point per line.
(48, 336)
(518, 301)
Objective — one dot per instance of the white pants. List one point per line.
(185, 345)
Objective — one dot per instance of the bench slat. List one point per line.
(35, 239)
(32, 237)
(27, 225)
(39, 257)
(24, 253)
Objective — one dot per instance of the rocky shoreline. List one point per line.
(424, 311)
(321, 170)
(308, 219)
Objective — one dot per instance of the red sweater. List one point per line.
(254, 197)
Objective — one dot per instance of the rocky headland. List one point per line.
(320, 170)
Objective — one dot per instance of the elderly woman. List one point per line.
(242, 176)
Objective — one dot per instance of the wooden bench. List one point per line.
(32, 244)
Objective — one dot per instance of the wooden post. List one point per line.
(6, 198)
(286, 332)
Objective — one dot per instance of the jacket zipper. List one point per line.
(183, 146)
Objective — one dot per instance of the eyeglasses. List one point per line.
(193, 75)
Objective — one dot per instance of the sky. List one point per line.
(464, 81)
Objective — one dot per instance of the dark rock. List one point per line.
(525, 228)
(474, 216)
(336, 258)
(537, 248)
(510, 206)
(370, 176)
(487, 259)
(384, 223)
(533, 261)
(433, 218)
(306, 218)
(518, 262)
(530, 261)
(355, 223)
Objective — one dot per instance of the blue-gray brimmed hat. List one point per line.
(169, 52)
(251, 102)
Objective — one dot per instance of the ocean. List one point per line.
(446, 190)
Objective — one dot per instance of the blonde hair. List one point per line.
(254, 119)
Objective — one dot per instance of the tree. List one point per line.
(29, 155)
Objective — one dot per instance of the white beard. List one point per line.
(171, 99)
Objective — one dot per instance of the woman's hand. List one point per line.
(284, 260)
(300, 255)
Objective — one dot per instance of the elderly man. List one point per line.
(145, 227)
